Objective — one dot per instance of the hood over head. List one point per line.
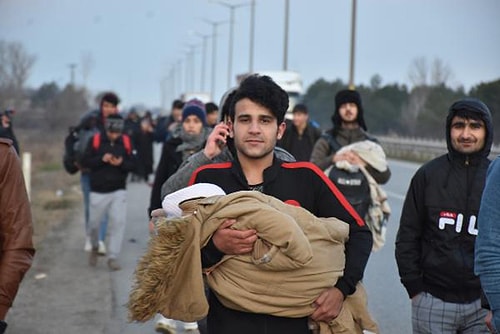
(471, 106)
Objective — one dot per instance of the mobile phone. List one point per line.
(220, 143)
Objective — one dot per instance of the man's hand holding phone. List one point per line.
(216, 140)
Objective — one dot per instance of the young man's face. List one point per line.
(108, 108)
(255, 130)
(177, 115)
(467, 135)
(300, 119)
(348, 112)
(212, 118)
(192, 125)
(113, 135)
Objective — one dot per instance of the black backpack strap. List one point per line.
(334, 144)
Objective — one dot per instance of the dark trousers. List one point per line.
(222, 320)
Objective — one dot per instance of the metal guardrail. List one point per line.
(419, 149)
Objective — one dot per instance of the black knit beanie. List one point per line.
(348, 96)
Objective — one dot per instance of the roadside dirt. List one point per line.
(59, 294)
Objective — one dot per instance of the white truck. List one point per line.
(290, 81)
(202, 96)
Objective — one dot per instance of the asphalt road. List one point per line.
(61, 294)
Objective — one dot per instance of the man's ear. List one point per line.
(281, 130)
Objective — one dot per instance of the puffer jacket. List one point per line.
(16, 228)
(289, 236)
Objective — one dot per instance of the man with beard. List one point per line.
(343, 164)
(437, 231)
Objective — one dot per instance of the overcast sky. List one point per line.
(133, 45)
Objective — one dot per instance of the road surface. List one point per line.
(61, 294)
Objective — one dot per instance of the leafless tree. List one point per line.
(418, 72)
(441, 73)
(416, 103)
(15, 67)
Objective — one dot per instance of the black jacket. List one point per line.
(435, 241)
(105, 177)
(170, 161)
(301, 183)
(291, 136)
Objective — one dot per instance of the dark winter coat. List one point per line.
(291, 136)
(435, 241)
(105, 177)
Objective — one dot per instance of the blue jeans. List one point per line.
(85, 184)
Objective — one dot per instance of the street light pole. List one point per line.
(231, 33)
(72, 67)
(252, 36)
(172, 84)
(353, 44)
(179, 68)
(192, 66)
(203, 60)
(285, 42)
(214, 53)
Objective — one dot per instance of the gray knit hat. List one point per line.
(114, 123)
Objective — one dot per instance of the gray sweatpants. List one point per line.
(431, 315)
(115, 205)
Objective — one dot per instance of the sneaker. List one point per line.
(88, 244)
(102, 248)
(165, 325)
(113, 265)
(190, 326)
(93, 257)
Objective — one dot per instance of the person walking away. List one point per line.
(256, 123)
(109, 158)
(437, 231)
(16, 228)
(487, 248)
(300, 135)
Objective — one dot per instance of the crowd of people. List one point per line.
(447, 246)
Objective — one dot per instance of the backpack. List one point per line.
(352, 183)
(69, 156)
(364, 193)
(75, 143)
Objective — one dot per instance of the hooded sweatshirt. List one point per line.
(435, 241)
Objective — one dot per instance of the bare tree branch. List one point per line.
(418, 72)
(440, 72)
